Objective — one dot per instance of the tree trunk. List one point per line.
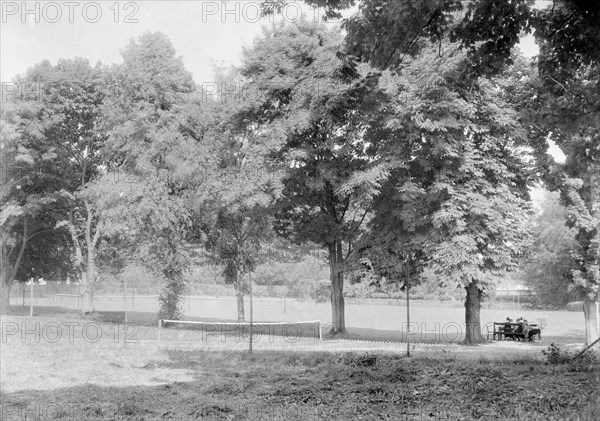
(589, 313)
(8, 275)
(88, 279)
(337, 289)
(85, 298)
(5, 292)
(239, 293)
(472, 314)
(8, 291)
(4, 300)
(87, 263)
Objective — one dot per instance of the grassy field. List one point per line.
(59, 366)
(432, 322)
(94, 371)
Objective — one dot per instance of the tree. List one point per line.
(385, 32)
(63, 131)
(12, 239)
(568, 107)
(457, 188)
(151, 147)
(234, 240)
(308, 97)
(233, 201)
(28, 196)
(548, 268)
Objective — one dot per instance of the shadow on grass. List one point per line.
(323, 386)
(38, 311)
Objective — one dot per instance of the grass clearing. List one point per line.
(434, 322)
(183, 380)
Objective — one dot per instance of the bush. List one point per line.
(574, 361)
(555, 355)
(171, 298)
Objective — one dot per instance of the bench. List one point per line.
(518, 331)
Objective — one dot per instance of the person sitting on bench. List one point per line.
(527, 330)
(519, 331)
(508, 330)
(533, 330)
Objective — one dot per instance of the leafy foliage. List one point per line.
(313, 100)
(548, 268)
(232, 207)
(386, 32)
(568, 106)
(154, 153)
(56, 152)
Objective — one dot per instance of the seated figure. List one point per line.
(534, 329)
(519, 331)
(508, 330)
(522, 331)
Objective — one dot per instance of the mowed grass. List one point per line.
(86, 376)
(431, 321)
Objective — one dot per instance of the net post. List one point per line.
(251, 312)
(284, 297)
(31, 299)
(320, 332)
(125, 298)
(159, 327)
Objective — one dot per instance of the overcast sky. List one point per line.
(202, 32)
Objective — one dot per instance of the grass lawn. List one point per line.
(433, 322)
(93, 373)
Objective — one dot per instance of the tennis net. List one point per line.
(290, 331)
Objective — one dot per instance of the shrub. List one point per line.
(555, 355)
(574, 362)
(171, 298)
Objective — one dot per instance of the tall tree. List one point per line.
(73, 92)
(309, 97)
(156, 151)
(239, 184)
(456, 189)
(43, 160)
(568, 106)
(12, 239)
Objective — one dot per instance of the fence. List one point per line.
(69, 296)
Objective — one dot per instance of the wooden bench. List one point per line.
(511, 330)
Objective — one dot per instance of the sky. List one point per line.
(202, 32)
